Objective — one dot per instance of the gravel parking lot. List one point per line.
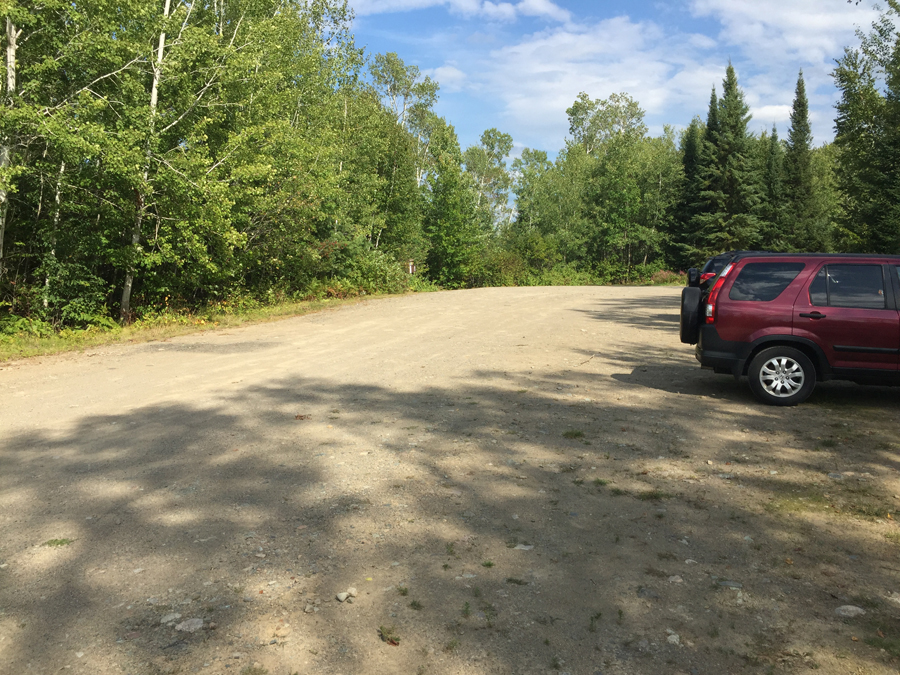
(523, 480)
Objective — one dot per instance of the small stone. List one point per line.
(138, 570)
(675, 579)
(836, 476)
(342, 596)
(309, 609)
(237, 655)
(674, 639)
(260, 555)
(726, 476)
(730, 584)
(190, 625)
(773, 473)
(690, 561)
(79, 654)
(709, 461)
(247, 598)
(169, 618)
(283, 630)
(648, 593)
(352, 592)
(849, 611)
(524, 547)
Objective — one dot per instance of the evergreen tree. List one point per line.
(688, 204)
(730, 196)
(802, 220)
(772, 209)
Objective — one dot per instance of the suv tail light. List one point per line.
(714, 294)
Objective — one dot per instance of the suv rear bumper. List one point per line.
(721, 355)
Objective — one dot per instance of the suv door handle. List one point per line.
(813, 315)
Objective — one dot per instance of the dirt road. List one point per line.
(503, 480)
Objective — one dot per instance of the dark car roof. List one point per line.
(739, 255)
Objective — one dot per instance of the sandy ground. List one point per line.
(509, 481)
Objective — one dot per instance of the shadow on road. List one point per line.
(539, 523)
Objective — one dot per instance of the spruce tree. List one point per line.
(772, 212)
(691, 163)
(802, 218)
(729, 200)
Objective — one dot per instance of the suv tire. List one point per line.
(690, 315)
(782, 376)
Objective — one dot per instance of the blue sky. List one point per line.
(518, 64)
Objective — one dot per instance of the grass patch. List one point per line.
(487, 563)
(403, 590)
(655, 572)
(389, 634)
(57, 542)
(451, 646)
(810, 501)
(592, 624)
(466, 610)
(599, 482)
(653, 496)
(416, 605)
(889, 644)
(617, 492)
(254, 670)
(517, 582)
(573, 434)
(161, 326)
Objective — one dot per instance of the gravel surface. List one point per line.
(532, 480)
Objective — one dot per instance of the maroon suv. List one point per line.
(788, 320)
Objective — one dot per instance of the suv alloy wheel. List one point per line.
(782, 376)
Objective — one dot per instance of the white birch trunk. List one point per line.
(6, 142)
(57, 206)
(125, 309)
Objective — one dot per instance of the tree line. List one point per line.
(182, 155)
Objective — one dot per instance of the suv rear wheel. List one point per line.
(782, 376)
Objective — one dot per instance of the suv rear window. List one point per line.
(764, 281)
(859, 286)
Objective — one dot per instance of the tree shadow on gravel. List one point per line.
(510, 526)
(654, 312)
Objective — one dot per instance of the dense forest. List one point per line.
(161, 157)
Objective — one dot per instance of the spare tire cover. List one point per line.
(690, 314)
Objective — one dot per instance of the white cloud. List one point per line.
(540, 76)
(502, 11)
(451, 78)
(543, 8)
(494, 11)
(773, 31)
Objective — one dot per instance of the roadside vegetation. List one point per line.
(183, 167)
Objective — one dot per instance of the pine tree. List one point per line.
(772, 210)
(730, 198)
(691, 163)
(803, 223)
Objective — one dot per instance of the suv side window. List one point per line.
(860, 286)
(765, 281)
